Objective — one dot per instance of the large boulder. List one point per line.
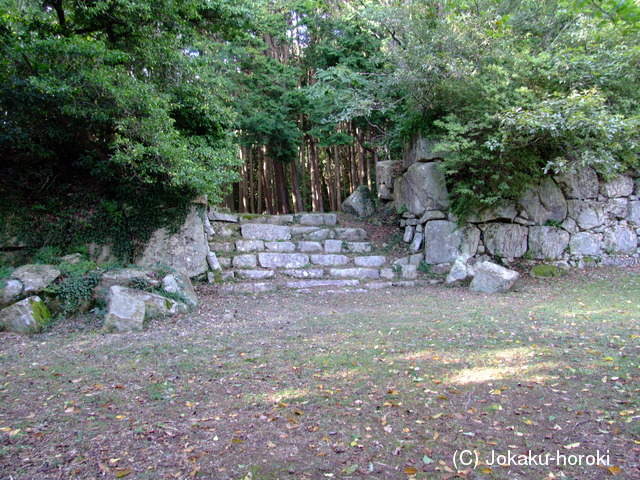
(492, 278)
(10, 292)
(35, 278)
(503, 211)
(180, 284)
(547, 242)
(128, 308)
(445, 241)
(26, 316)
(124, 277)
(360, 203)
(460, 270)
(545, 202)
(421, 188)
(185, 250)
(506, 240)
(421, 149)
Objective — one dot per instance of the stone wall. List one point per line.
(575, 219)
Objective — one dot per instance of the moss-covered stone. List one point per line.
(546, 271)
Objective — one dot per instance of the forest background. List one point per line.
(114, 114)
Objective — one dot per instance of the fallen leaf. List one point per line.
(614, 470)
(410, 471)
(124, 473)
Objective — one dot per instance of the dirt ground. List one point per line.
(415, 383)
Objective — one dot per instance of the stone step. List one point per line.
(403, 272)
(319, 286)
(304, 246)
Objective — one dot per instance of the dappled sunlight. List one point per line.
(490, 374)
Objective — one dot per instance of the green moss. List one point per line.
(40, 312)
(546, 271)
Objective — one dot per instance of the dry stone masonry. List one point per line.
(299, 251)
(573, 219)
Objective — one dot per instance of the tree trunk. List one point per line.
(281, 188)
(316, 188)
(298, 206)
(336, 166)
(266, 181)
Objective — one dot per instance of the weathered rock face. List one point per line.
(547, 242)
(180, 283)
(619, 239)
(505, 211)
(360, 203)
(26, 316)
(123, 277)
(35, 278)
(506, 240)
(186, 250)
(127, 308)
(587, 215)
(460, 270)
(580, 185)
(585, 243)
(420, 149)
(384, 179)
(621, 186)
(545, 203)
(492, 278)
(445, 241)
(421, 188)
(10, 293)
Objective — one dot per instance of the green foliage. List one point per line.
(74, 290)
(514, 89)
(47, 255)
(424, 268)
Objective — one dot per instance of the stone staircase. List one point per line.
(300, 251)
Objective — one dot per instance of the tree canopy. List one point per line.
(110, 104)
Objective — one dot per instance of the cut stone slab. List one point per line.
(350, 234)
(319, 235)
(222, 217)
(322, 283)
(422, 187)
(310, 247)
(416, 244)
(634, 212)
(185, 250)
(329, 260)
(333, 246)
(358, 247)
(387, 273)
(445, 241)
(305, 273)
(26, 316)
(409, 233)
(255, 274)
(311, 219)
(280, 247)
(280, 219)
(212, 261)
(410, 260)
(249, 246)
(10, 293)
(506, 240)
(492, 278)
(283, 260)
(378, 285)
(585, 243)
(548, 242)
(360, 273)
(222, 247)
(258, 231)
(245, 261)
(252, 288)
(360, 203)
(299, 231)
(35, 278)
(370, 261)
